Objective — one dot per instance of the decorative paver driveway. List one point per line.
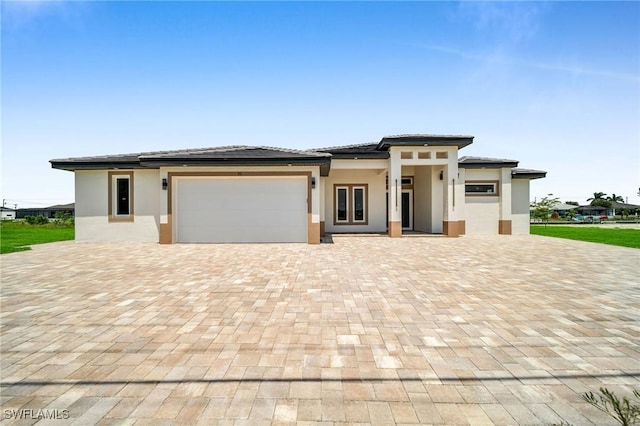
(473, 330)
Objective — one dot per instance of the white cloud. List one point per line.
(497, 57)
(510, 21)
(21, 14)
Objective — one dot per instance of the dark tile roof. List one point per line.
(235, 151)
(618, 205)
(231, 155)
(425, 139)
(363, 150)
(69, 206)
(480, 162)
(468, 162)
(518, 173)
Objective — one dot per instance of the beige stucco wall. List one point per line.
(428, 197)
(376, 181)
(520, 206)
(482, 212)
(91, 209)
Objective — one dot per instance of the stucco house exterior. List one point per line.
(406, 183)
(7, 213)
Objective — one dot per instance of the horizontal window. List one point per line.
(406, 181)
(481, 188)
(350, 204)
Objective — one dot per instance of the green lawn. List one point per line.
(18, 236)
(615, 236)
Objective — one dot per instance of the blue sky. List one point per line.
(555, 85)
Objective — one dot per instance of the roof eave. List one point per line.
(417, 140)
(93, 165)
(531, 176)
(493, 165)
(376, 155)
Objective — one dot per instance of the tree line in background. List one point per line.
(544, 209)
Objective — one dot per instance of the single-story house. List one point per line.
(590, 210)
(48, 212)
(7, 214)
(617, 208)
(261, 194)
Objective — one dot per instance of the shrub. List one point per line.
(36, 220)
(623, 410)
(63, 218)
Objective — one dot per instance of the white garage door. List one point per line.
(241, 209)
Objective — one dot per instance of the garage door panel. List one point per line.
(241, 210)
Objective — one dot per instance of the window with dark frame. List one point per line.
(122, 196)
(358, 204)
(341, 204)
(481, 188)
(350, 204)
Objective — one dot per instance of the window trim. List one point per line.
(350, 203)
(112, 193)
(495, 183)
(335, 202)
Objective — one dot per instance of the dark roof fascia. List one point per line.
(371, 155)
(94, 165)
(488, 165)
(528, 174)
(424, 140)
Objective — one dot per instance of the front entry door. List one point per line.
(407, 209)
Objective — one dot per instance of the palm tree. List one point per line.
(600, 199)
(597, 196)
(615, 198)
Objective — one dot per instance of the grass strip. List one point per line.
(624, 237)
(18, 236)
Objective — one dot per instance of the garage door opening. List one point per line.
(266, 209)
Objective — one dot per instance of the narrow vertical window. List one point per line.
(120, 193)
(122, 197)
(341, 205)
(358, 205)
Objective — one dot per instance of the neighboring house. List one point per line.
(616, 208)
(563, 208)
(7, 213)
(590, 210)
(48, 212)
(261, 194)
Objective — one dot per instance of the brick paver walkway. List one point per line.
(473, 330)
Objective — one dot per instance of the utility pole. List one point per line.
(4, 202)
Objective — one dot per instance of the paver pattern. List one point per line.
(472, 330)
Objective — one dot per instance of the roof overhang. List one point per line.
(527, 174)
(424, 140)
(485, 163)
(70, 165)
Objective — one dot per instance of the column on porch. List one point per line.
(452, 188)
(395, 194)
(504, 222)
